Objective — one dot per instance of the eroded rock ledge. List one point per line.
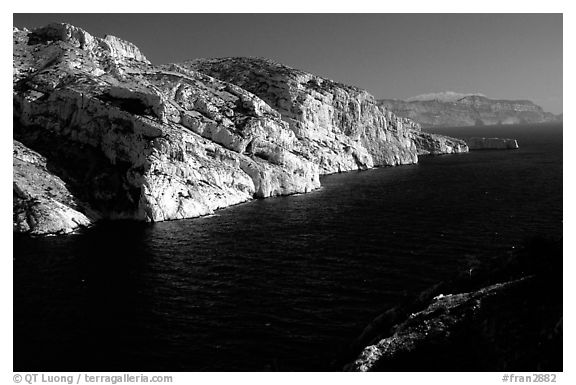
(176, 141)
(491, 144)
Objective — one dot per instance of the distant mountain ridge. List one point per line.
(447, 96)
(451, 109)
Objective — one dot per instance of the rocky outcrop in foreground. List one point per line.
(100, 132)
(491, 144)
(504, 318)
(459, 110)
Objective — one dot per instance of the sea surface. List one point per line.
(282, 283)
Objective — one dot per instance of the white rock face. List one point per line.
(492, 144)
(338, 127)
(153, 143)
(187, 144)
(122, 49)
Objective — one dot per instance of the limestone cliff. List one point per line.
(129, 139)
(177, 143)
(467, 110)
(318, 109)
(341, 127)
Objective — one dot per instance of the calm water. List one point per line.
(283, 283)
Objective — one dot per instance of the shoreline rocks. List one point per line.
(504, 315)
(444, 318)
(492, 144)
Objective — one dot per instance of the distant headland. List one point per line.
(452, 109)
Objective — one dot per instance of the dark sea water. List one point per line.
(283, 283)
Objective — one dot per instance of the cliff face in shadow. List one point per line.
(504, 316)
(123, 138)
(470, 110)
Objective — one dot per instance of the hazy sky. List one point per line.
(507, 56)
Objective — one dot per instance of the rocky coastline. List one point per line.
(492, 144)
(102, 133)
